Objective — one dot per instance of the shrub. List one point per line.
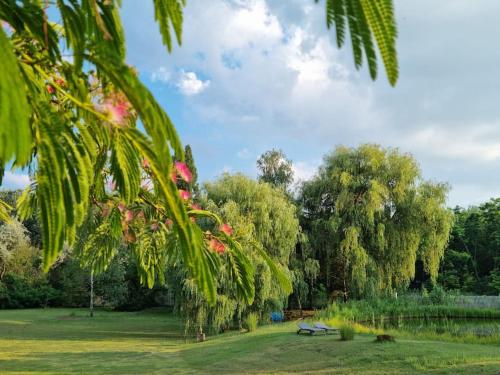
(17, 293)
(251, 322)
(346, 333)
(438, 295)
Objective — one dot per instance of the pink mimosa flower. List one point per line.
(184, 194)
(129, 216)
(118, 112)
(173, 176)
(111, 185)
(116, 107)
(226, 228)
(183, 171)
(217, 246)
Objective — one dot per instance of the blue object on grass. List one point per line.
(277, 316)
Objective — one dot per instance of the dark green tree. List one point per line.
(472, 259)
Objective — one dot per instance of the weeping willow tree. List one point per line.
(264, 223)
(69, 108)
(371, 218)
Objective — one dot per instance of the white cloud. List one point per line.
(161, 74)
(479, 143)
(244, 154)
(15, 180)
(189, 84)
(303, 170)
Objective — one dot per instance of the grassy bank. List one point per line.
(66, 341)
(384, 315)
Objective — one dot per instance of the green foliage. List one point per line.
(438, 295)
(367, 21)
(471, 261)
(74, 124)
(265, 229)
(370, 217)
(15, 131)
(4, 211)
(17, 292)
(275, 169)
(84, 127)
(251, 322)
(372, 311)
(346, 332)
(168, 13)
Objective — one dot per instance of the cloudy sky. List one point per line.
(252, 75)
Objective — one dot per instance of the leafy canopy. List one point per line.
(275, 169)
(371, 217)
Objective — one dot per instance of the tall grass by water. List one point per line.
(421, 316)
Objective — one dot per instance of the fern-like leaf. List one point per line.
(4, 211)
(168, 14)
(15, 130)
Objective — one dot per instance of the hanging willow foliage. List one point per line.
(73, 122)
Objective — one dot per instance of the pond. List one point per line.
(450, 326)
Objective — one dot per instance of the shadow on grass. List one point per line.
(101, 362)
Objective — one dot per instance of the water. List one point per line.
(453, 327)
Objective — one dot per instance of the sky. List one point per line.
(253, 75)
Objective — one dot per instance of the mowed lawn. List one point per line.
(66, 341)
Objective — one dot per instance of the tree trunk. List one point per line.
(91, 294)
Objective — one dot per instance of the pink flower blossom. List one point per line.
(217, 246)
(184, 194)
(145, 163)
(129, 216)
(60, 81)
(226, 228)
(111, 185)
(50, 89)
(173, 176)
(169, 223)
(195, 206)
(121, 206)
(154, 227)
(117, 112)
(183, 171)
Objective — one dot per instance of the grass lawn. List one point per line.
(66, 341)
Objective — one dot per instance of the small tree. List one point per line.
(275, 169)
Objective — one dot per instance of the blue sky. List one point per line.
(253, 75)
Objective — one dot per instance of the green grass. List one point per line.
(53, 341)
